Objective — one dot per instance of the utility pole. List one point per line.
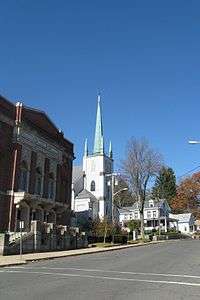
(113, 221)
(112, 192)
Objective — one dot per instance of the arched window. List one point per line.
(38, 181)
(51, 186)
(23, 184)
(92, 187)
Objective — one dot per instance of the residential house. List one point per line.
(184, 223)
(197, 224)
(156, 214)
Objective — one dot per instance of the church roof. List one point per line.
(77, 173)
(85, 194)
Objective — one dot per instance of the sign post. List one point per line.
(128, 230)
(21, 226)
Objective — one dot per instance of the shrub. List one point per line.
(120, 239)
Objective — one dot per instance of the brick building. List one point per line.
(35, 168)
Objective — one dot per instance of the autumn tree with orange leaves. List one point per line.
(187, 197)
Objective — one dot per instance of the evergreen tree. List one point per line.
(165, 185)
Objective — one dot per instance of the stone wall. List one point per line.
(43, 237)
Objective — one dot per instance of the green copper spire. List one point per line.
(98, 140)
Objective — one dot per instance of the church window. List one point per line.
(92, 187)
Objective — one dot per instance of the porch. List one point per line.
(30, 208)
(163, 223)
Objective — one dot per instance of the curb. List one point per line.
(98, 250)
(24, 262)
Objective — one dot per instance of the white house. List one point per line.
(197, 225)
(91, 192)
(155, 213)
(185, 223)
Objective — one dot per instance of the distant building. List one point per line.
(184, 223)
(197, 224)
(35, 168)
(155, 213)
(91, 192)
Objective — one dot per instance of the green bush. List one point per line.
(120, 239)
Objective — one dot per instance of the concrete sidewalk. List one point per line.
(15, 259)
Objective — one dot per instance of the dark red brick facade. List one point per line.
(12, 119)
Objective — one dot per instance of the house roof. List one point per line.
(41, 120)
(182, 218)
(125, 210)
(147, 205)
(85, 194)
(7, 107)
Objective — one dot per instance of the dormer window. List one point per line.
(92, 186)
(151, 203)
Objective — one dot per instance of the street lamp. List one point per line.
(193, 142)
(113, 183)
(121, 190)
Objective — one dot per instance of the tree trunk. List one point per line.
(105, 233)
(142, 225)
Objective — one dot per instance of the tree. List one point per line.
(124, 198)
(102, 228)
(140, 166)
(187, 197)
(133, 225)
(165, 185)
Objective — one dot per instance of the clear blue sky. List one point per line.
(144, 56)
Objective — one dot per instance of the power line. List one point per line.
(188, 172)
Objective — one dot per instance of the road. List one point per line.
(169, 271)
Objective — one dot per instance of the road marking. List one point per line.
(104, 277)
(107, 271)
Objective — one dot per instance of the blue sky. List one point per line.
(144, 56)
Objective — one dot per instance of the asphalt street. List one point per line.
(169, 270)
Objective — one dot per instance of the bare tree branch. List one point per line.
(141, 164)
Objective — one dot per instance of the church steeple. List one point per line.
(86, 148)
(99, 140)
(110, 150)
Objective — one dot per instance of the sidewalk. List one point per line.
(15, 259)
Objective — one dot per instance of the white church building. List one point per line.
(91, 183)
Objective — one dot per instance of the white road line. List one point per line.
(108, 271)
(105, 278)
